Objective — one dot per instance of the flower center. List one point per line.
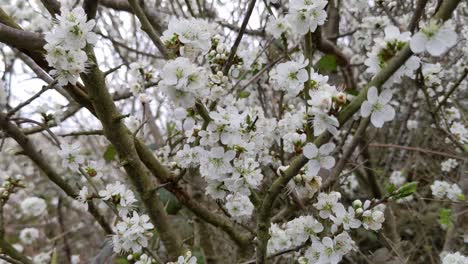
(390, 50)
(377, 107)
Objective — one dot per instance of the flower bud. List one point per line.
(357, 204)
(341, 98)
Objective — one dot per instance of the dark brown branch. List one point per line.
(233, 51)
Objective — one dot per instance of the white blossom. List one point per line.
(71, 155)
(183, 81)
(448, 165)
(119, 195)
(305, 16)
(33, 206)
(318, 157)
(377, 107)
(239, 206)
(328, 204)
(29, 235)
(434, 38)
(65, 43)
(132, 233)
(290, 76)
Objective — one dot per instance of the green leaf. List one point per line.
(445, 217)
(391, 188)
(326, 64)
(172, 204)
(110, 153)
(406, 190)
(243, 94)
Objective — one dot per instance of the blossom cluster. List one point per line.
(304, 16)
(132, 233)
(189, 37)
(65, 44)
(454, 258)
(326, 248)
(442, 189)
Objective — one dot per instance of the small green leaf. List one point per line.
(243, 94)
(406, 190)
(110, 153)
(326, 64)
(391, 188)
(445, 217)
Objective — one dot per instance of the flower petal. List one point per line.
(366, 109)
(313, 166)
(372, 94)
(310, 151)
(418, 42)
(326, 149)
(327, 162)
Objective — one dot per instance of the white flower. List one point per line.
(65, 43)
(119, 195)
(71, 157)
(454, 258)
(183, 81)
(194, 34)
(278, 26)
(324, 122)
(329, 251)
(42, 258)
(279, 239)
(305, 16)
(321, 93)
(239, 206)
(372, 219)
(132, 233)
(75, 259)
(188, 157)
(434, 38)
(83, 196)
(377, 107)
(216, 163)
(186, 259)
(33, 206)
(318, 158)
(249, 170)
(397, 178)
(327, 204)
(29, 235)
(345, 218)
(291, 76)
(302, 228)
(439, 189)
(448, 165)
(460, 132)
(385, 49)
(454, 193)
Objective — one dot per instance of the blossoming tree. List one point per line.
(275, 131)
